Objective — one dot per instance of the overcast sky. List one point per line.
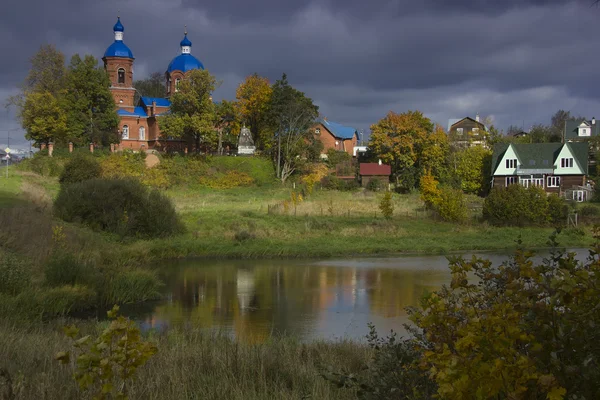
(515, 60)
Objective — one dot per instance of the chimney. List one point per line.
(477, 117)
(153, 108)
(379, 161)
(70, 147)
(593, 120)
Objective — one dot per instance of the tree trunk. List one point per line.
(279, 156)
(220, 145)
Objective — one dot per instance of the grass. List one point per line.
(190, 364)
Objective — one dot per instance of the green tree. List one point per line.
(253, 101)
(153, 86)
(228, 124)
(470, 166)
(89, 104)
(47, 72)
(193, 112)
(43, 118)
(291, 116)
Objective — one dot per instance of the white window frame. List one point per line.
(511, 163)
(579, 195)
(537, 182)
(119, 75)
(566, 162)
(459, 131)
(475, 131)
(511, 180)
(125, 132)
(318, 131)
(142, 133)
(553, 181)
(177, 81)
(525, 181)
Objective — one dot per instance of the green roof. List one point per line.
(580, 152)
(572, 129)
(540, 155)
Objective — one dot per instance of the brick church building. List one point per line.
(138, 126)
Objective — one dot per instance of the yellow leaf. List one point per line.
(557, 393)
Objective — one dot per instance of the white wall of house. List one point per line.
(508, 155)
(574, 170)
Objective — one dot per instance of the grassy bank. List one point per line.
(188, 365)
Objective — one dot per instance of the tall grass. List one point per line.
(132, 286)
(190, 364)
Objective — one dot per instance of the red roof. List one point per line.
(375, 169)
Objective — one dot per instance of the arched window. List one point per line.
(125, 132)
(177, 84)
(142, 131)
(121, 73)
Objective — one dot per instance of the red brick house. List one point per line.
(374, 171)
(138, 128)
(336, 136)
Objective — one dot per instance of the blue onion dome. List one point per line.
(185, 63)
(185, 42)
(118, 48)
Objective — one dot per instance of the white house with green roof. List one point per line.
(556, 167)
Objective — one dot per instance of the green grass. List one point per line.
(10, 187)
(190, 364)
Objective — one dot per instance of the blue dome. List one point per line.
(118, 49)
(118, 26)
(184, 63)
(185, 41)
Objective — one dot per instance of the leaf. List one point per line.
(557, 393)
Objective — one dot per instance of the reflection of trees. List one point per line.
(258, 301)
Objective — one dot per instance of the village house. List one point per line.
(580, 130)
(467, 131)
(138, 126)
(375, 171)
(556, 167)
(335, 136)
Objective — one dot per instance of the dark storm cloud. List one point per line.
(517, 60)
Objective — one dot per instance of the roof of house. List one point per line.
(160, 102)
(137, 112)
(339, 131)
(375, 169)
(572, 128)
(454, 121)
(540, 155)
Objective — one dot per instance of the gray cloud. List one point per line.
(518, 60)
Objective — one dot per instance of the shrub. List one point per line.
(558, 210)
(132, 287)
(331, 182)
(386, 205)
(80, 168)
(14, 274)
(66, 299)
(430, 193)
(43, 165)
(64, 269)
(451, 205)
(121, 206)
(376, 185)
(125, 164)
(589, 210)
(516, 205)
(315, 173)
(335, 157)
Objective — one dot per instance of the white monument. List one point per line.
(245, 142)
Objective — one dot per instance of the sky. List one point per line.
(516, 61)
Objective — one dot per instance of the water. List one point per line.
(331, 299)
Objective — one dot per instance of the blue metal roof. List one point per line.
(137, 112)
(184, 63)
(340, 131)
(118, 49)
(185, 41)
(160, 102)
(118, 26)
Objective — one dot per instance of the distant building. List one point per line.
(519, 134)
(580, 130)
(336, 136)
(467, 131)
(374, 171)
(555, 167)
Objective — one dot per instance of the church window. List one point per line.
(121, 75)
(125, 132)
(142, 131)
(177, 84)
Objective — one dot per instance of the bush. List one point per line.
(66, 299)
(430, 194)
(80, 168)
(132, 287)
(336, 157)
(451, 205)
(64, 269)
(121, 206)
(386, 205)
(376, 185)
(43, 165)
(558, 210)
(332, 182)
(516, 205)
(14, 275)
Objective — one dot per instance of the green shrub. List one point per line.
(14, 274)
(558, 210)
(64, 269)
(331, 182)
(376, 185)
(451, 205)
(386, 205)
(132, 286)
(516, 205)
(63, 300)
(80, 168)
(43, 165)
(589, 210)
(121, 206)
(336, 157)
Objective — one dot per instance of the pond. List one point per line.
(315, 299)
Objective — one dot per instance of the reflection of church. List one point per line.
(138, 126)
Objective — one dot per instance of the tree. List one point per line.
(470, 167)
(253, 100)
(403, 140)
(193, 112)
(47, 71)
(153, 86)
(43, 118)
(291, 116)
(89, 103)
(228, 124)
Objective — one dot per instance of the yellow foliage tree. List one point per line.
(253, 99)
(430, 193)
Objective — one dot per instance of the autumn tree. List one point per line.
(291, 115)
(471, 166)
(193, 112)
(153, 86)
(90, 106)
(253, 100)
(410, 144)
(228, 124)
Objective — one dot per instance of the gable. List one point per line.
(509, 154)
(466, 122)
(339, 131)
(567, 153)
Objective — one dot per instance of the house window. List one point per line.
(142, 132)
(537, 182)
(553, 181)
(525, 182)
(125, 133)
(566, 163)
(511, 163)
(459, 131)
(475, 131)
(578, 195)
(546, 162)
(531, 162)
(121, 74)
(318, 131)
(177, 84)
(510, 180)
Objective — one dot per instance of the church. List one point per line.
(138, 126)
